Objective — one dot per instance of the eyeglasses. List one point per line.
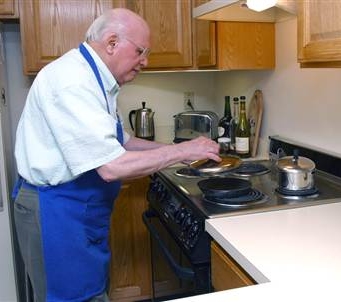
(142, 51)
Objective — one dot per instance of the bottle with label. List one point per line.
(225, 122)
(243, 132)
(224, 145)
(234, 123)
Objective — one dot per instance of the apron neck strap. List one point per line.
(86, 54)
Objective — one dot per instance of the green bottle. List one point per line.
(234, 122)
(224, 125)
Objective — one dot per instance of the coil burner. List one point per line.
(298, 194)
(252, 198)
(250, 169)
(188, 172)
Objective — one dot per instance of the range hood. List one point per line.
(236, 10)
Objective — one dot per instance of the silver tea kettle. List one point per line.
(144, 122)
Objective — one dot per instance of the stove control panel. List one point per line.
(178, 216)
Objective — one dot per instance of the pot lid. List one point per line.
(295, 163)
(210, 166)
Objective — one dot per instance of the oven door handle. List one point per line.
(181, 272)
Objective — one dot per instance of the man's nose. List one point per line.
(144, 61)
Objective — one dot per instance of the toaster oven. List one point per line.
(192, 124)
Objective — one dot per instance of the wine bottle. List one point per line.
(243, 132)
(225, 122)
(234, 123)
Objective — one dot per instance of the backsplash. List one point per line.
(164, 94)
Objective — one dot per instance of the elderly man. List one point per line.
(71, 152)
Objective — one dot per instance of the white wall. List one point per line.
(163, 92)
(301, 104)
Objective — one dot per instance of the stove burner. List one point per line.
(188, 172)
(296, 194)
(244, 170)
(253, 197)
(249, 169)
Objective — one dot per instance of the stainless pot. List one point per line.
(295, 173)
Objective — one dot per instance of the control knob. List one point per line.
(187, 221)
(180, 216)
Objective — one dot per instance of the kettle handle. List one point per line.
(295, 157)
(131, 113)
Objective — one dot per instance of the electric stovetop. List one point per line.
(328, 186)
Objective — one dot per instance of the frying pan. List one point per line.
(224, 187)
(210, 166)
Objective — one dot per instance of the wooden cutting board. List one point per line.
(255, 113)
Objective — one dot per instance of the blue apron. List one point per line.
(75, 223)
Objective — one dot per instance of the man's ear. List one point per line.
(112, 43)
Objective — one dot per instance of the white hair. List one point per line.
(119, 21)
(105, 23)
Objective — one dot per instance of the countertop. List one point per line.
(294, 254)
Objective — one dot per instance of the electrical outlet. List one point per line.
(189, 100)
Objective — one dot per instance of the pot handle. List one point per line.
(131, 113)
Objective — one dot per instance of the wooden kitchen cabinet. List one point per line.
(8, 9)
(130, 269)
(171, 25)
(319, 33)
(204, 41)
(234, 45)
(179, 42)
(226, 273)
(245, 45)
(51, 28)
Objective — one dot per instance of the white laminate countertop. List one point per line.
(294, 254)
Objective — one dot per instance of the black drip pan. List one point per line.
(251, 195)
(253, 198)
(187, 172)
(249, 169)
(300, 193)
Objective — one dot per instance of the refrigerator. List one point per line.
(12, 275)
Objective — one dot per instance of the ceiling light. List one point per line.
(259, 5)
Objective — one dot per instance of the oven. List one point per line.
(178, 209)
(180, 247)
(174, 273)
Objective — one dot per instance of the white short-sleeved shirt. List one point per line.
(65, 128)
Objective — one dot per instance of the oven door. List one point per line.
(173, 275)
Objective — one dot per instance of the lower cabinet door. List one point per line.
(226, 273)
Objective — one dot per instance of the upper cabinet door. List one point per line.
(8, 9)
(49, 28)
(319, 31)
(171, 26)
(204, 41)
(245, 45)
